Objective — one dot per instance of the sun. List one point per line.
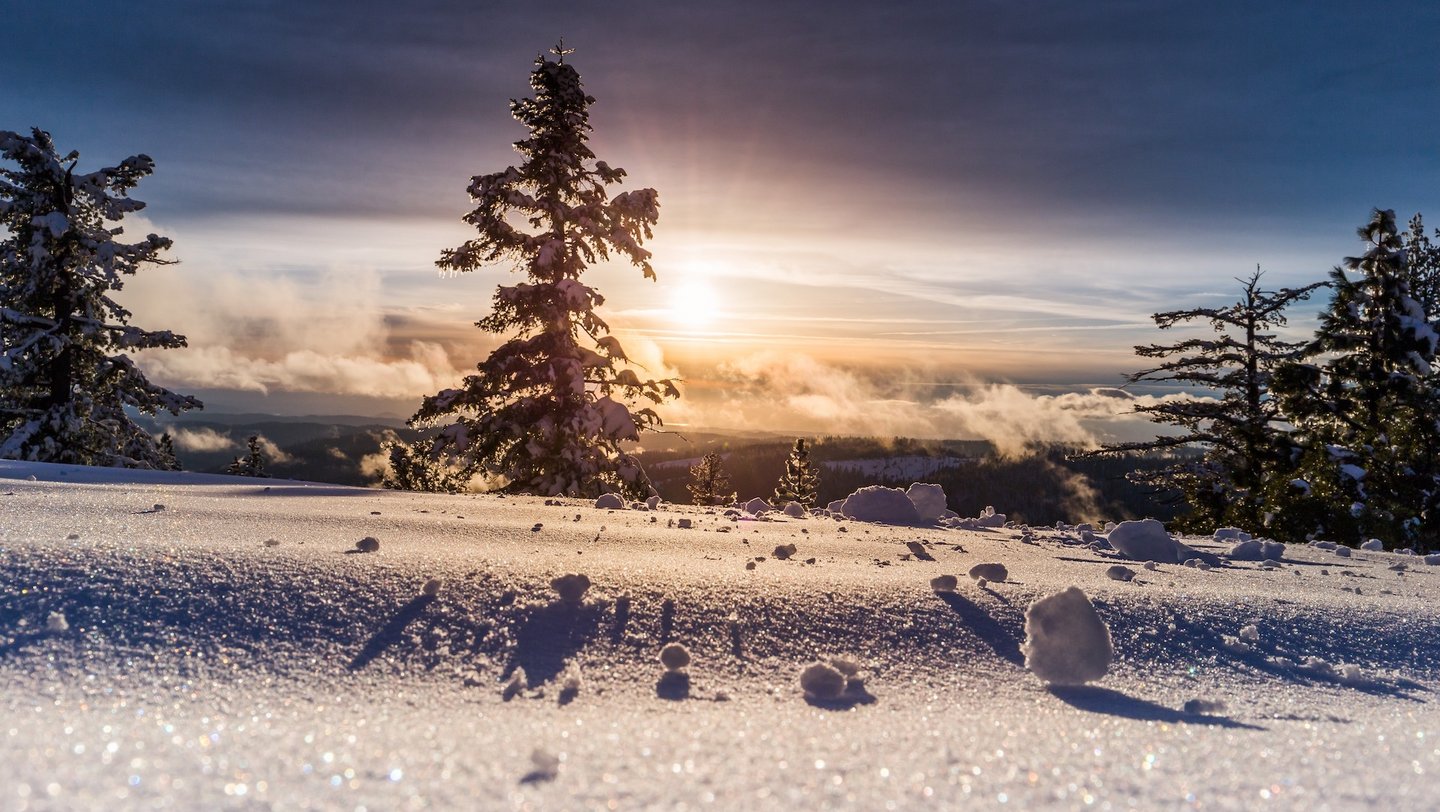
(693, 305)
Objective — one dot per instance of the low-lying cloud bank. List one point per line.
(779, 391)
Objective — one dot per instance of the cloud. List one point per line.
(270, 330)
(274, 455)
(201, 439)
(777, 391)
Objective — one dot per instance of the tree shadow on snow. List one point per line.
(549, 637)
(994, 635)
(1104, 700)
(391, 632)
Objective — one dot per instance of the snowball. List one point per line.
(1343, 552)
(989, 572)
(795, 510)
(1119, 572)
(1066, 642)
(877, 503)
(431, 588)
(1152, 566)
(674, 657)
(685, 524)
(571, 588)
(1250, 634)
(1145, 540)
(822, 681)
(784, 551)
(369, 544)
(56, 623)
(929, 500)
(1373, 545)
(944, 583)
(610, 501)
(757, 506)
(653, 502)
(546, 765)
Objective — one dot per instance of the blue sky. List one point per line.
(904, 194)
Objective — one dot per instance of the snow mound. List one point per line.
(1256, 550)
(1146, 540)
(877, 503)
(610, 501)
(929, 500)
(1066, 642)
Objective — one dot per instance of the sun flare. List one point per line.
(693, 305)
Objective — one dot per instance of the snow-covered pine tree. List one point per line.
(253, 463)
(1239, 433)
(709, 483)
(549, 410)
(1422, 263)
(65, 377)
(1364, 411)
(801, 480)
(412, 469)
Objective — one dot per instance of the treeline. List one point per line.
(1335, 436)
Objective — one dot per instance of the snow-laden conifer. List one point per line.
(66, 376)
(1238, 432)
(709, 483)
(801, 481)
(252, 463)
(549, 409)
(1363, 405)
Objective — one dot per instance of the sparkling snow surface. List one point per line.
(201, 666)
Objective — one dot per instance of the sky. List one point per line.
(906, 218)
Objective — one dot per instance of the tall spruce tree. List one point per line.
(549, 410)
(801, 481)
(65, 376)
(709, 483)
(1362, 403)
(1422, 263)
(1239, 432)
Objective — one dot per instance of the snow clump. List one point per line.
(1433, 559)
(1256, 550)
(431, 588)
(56, 623)
(1066, 642)
(674, 657)
(757, 506)
(989, 572)
(822, 681)
(1229, 533)
(1343, 552)
(944, 583)
(929, 500)
(1374, 546)
(795, 510)
(571, 588)
(1146, 540)
(877, 503)
(369, 544)
(610, 501)
(1120, 572)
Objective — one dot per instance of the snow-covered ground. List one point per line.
(233, 650)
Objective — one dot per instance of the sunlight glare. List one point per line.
(693, 305)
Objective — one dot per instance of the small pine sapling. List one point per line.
(801, 480)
